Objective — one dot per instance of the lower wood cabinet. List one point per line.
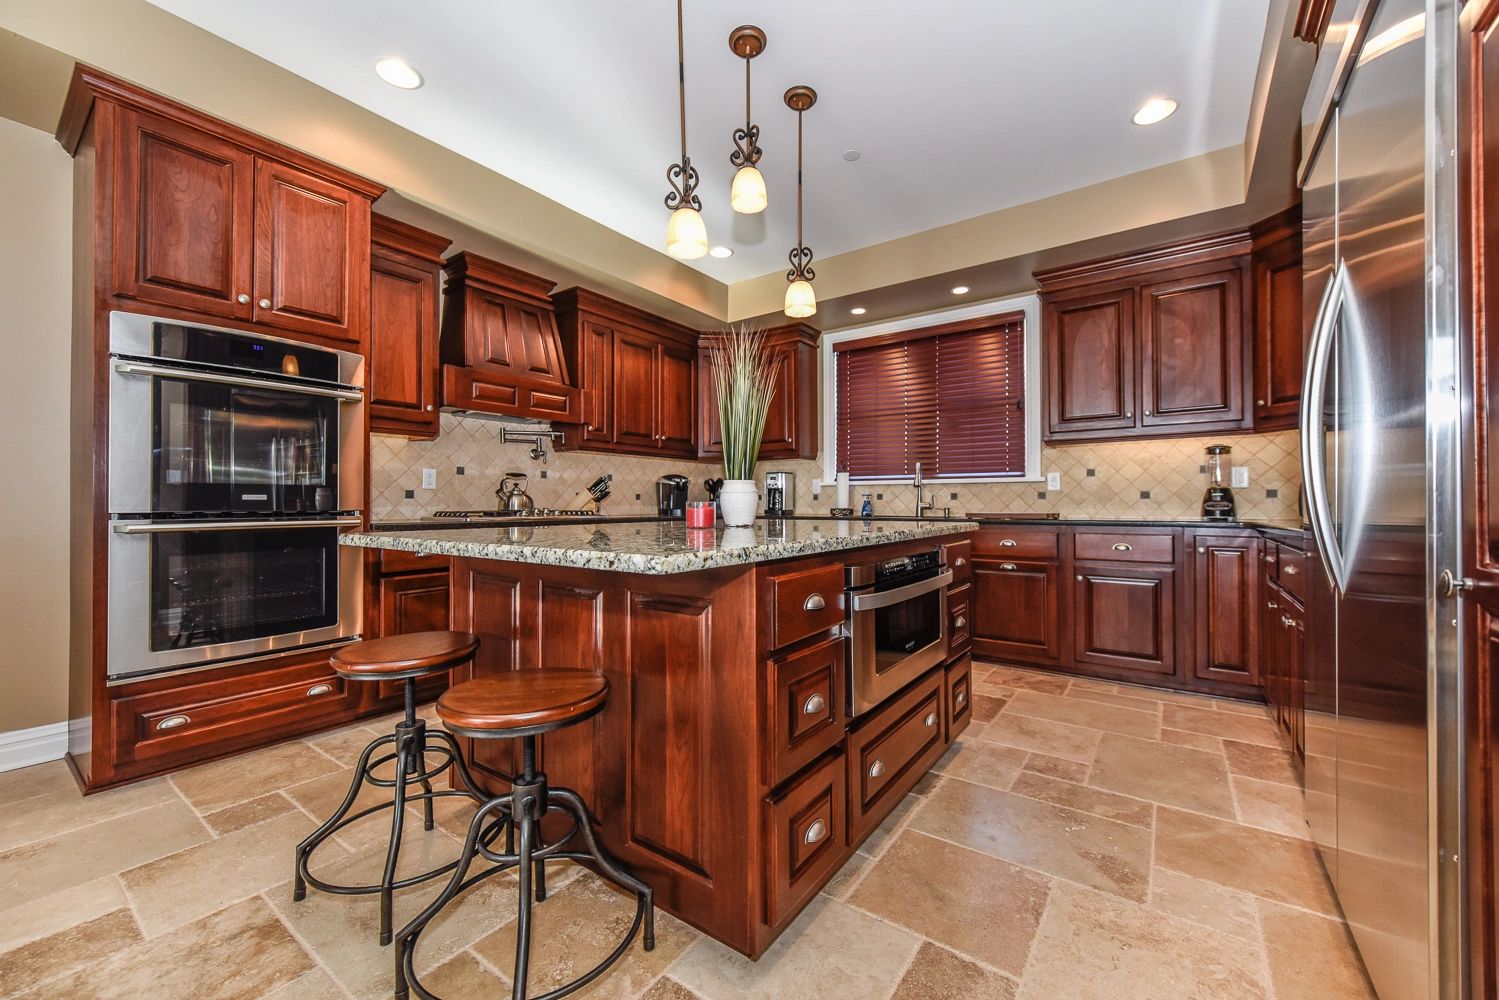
(1225, 604)
(806, 702)
(805, 837)
(1124, 618)
(959, 695)
(1017, 609)
(411, 594)
(890, 750)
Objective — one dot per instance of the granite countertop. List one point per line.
(443, 523)
(654, 546)
(1271, 524)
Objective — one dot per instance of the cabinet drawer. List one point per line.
(1291, 570)
(1122, 547)
(804, 603)
(1023, 543)
(959, 696)
(393, 561)
(217, 716)
(805, 829)
(806, 700)
(959, 619)
(959, 558)
(891, 750)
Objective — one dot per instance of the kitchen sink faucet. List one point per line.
(922, 506)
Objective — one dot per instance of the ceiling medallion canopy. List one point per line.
(686, 236)
(747, 193)
(801, 300)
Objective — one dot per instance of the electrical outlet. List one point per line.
(816, 488)
(1239, 477)
(1053, 480)
(429, 479)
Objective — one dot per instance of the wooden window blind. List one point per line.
(951, 398)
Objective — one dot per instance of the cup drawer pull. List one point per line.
(960, 562)
(960, 699)
(815, 832)
(814, 705)
(173, 722)
(318, 689)
(960, 622)
(876, 769)
(1123, 547)
(1289, 570)
(1008, 543)
(1007, 567)
(930, 720)
(814, 602)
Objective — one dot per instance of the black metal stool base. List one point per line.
(412, 744)
(520, 811)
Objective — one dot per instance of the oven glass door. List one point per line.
(220, 447)
(905, 628)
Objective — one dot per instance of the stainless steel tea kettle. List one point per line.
(512, 493)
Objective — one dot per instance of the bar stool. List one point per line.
(405, 658)
(524, 704)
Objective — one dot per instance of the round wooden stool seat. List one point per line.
(522, 702)
(397, 657)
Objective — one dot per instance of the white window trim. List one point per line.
(1030, 305)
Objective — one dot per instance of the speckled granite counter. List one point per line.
(655, 547)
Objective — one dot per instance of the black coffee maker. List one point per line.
(1218, 501)
(671, 496)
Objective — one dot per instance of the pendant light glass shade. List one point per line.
(747, 194)
(686, 236)
(801, 301)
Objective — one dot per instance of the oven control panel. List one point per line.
(903, 566)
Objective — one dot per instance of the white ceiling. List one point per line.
(960, 107)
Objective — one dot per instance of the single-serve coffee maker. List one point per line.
(780, 493)
(671, 496)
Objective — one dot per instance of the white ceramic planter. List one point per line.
(737, 503)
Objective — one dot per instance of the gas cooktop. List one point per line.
(507, 515)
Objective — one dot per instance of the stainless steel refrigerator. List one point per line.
(1364, 429)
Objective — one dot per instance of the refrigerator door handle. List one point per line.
(1313, 454)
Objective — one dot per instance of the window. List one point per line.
(951, 397)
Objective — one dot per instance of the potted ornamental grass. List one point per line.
(745, 370)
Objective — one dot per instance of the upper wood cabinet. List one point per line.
(1152, 344)
(500, 348)
(211, 220)
(1279, 336)
(791, 421)
(404, 367)
(637, 374)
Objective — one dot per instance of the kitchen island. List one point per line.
(726, 770)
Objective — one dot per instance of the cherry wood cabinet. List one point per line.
(1017, 609)
(1283, 641)
(404, 367)
(1279, 334)
(1124, 618)
(221, 223)
(1150, 344)
(637, 375)
(1226, 572)
(791, 421)
(411, 593)
(500, 348)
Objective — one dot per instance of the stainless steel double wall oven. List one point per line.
(235, 460)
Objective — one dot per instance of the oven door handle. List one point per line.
(191, 375)
(885, 598)
(159, 527)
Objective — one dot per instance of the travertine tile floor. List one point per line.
(1082, 840)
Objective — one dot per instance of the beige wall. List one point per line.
(35, 325)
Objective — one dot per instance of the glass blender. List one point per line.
(1218, 501)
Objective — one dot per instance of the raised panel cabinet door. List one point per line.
(532, 334)
(1279, 348)
(487, 602)
(1125, 618)
(1192, 351)
(596, 376)
(311, 253)
(636, 378)
(403, 361)
(676, 414)
(183, 217)
(415, 602)
(1226, 615)
(569, 632)
(1090, 362)
(790, 422)
(1015, 609)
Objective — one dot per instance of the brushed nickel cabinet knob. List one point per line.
(265, 303)
(242, 298)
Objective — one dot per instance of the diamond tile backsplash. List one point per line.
(1127, 479)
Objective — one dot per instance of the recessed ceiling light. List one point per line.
(858, 310)
(1157, 109)
(397, 73)
(851, 155)
(720, 252)
(960, 290)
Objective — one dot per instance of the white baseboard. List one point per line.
(24, 747)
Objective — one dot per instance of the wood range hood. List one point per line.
(501, 352)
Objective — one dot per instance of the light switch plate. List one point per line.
(1240, 477)
(429, 479)
(1053, 480)
(816, 488)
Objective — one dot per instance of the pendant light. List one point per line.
(686, 236)
(801, 301)
(747, 193)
